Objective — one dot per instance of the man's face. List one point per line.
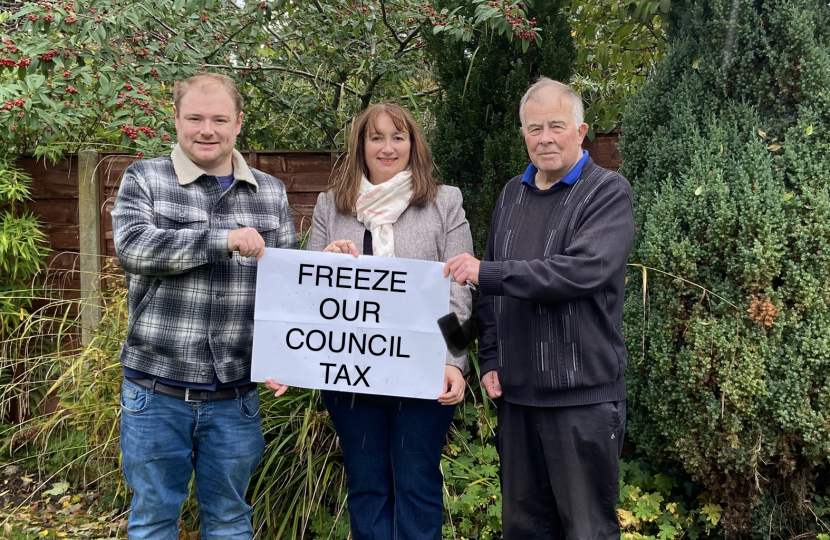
(552, 136)
(207, 124)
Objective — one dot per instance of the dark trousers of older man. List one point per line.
(560, 470)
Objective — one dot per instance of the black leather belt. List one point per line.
(195, 394)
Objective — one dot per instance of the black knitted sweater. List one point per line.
(552, 286)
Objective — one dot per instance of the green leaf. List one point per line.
(667, 532)
(699, 190)
(59, 488)
(712, 512)
(664, 483)
(653, 500)
(35, 81)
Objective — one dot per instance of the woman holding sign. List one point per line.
(385, 200)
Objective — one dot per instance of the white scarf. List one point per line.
(379, 206)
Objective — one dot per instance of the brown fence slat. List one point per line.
(51, 181)
(603, 150)
(62, 237)
(62, 260)
(55, 211)
(305, 173)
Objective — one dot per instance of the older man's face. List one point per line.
(207, 124)
(553, 138)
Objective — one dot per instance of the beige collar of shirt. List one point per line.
(188, 172)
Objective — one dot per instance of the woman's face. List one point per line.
(386, 149)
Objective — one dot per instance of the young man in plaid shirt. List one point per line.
(189, 229)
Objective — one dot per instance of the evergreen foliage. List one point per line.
(477, 144)
(728, 150)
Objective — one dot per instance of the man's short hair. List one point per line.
(208, 79)
(562, 90)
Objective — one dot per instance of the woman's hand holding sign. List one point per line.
(342, 246)
(453, 386)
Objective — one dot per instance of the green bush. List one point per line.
(728, 149)
(22, 246)
(22, 254)
(470, 465)
(98, 73)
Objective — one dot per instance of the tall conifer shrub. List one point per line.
(728, 150)
(477, 144)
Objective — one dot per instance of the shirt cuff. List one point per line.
(487, 366)
(218, 245)
(489, 278)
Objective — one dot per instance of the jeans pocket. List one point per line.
(134, 399)
(249, 404)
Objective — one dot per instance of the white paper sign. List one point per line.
(366, 324)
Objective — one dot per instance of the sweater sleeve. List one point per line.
(599, 247)
(487, 341)
(319, 238)
(458, 240)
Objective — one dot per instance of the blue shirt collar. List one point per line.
(529, 176)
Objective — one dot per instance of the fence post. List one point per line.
(89, 208)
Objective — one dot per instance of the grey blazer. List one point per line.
(434, 232)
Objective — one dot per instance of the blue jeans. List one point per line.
(392, 452)
(165, 439)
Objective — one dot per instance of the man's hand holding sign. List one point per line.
(365, 325)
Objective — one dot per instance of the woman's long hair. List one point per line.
(346, 178)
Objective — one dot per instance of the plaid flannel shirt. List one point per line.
(191, 303)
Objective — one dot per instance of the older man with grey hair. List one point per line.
(552, 283)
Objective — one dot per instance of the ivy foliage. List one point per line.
(728, 150)
(477, 144)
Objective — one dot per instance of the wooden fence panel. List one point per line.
(305, 173)
(603, 150)
(54, 191)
